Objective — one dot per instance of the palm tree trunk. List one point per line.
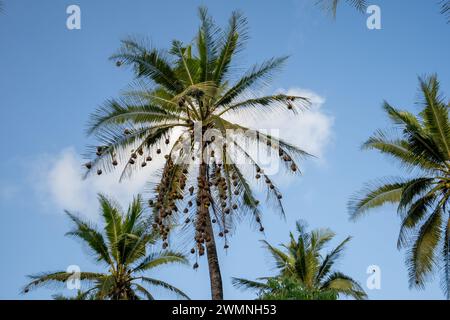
(215, 276)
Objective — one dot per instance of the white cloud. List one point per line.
(311, 129)
(59, 183)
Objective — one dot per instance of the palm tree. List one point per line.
(304, 273)
(183, 98)
(422, 146)
(122, 247)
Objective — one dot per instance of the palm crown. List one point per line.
(304, 273)
(181, 99)
(422, 145)
(122, 247)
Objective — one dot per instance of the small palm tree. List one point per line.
(122, 247)
(184, 98)
(422, 146)
(304, 273)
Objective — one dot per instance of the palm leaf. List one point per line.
(421, 256)
(375, 195)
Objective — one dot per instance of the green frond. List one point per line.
(320, 237)
(231, 43)
(115, 113)
(330, 259)
(164, 285)
(267, 104)
(150, 63)
(244, 284)
(160, 258)
(421, 257)
(144, 291)
(345, 285)
(206, 45)
(400, 150)
(256, 75)
(435, 114)
(113, 224)
(414, 188)
(282, 260)
(375, 195)
(92, 237)
(51, 279)
(416, 211)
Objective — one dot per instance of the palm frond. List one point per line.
(156, 259)
(254, 76)
(330, 259)
(245, 284)
(345, 285)
(165, 285)
(92, 237)
(375, 195)
(151, 63)
(421, 256)
(58, 278)
(231, 43)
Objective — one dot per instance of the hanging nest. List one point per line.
(99, 172)
(88, 165)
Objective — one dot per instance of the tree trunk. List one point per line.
(215, 276)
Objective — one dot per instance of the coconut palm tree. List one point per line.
(182, 100)
(304, 272)
(421, 144)
(123, 249)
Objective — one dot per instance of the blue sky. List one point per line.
(51, 79)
